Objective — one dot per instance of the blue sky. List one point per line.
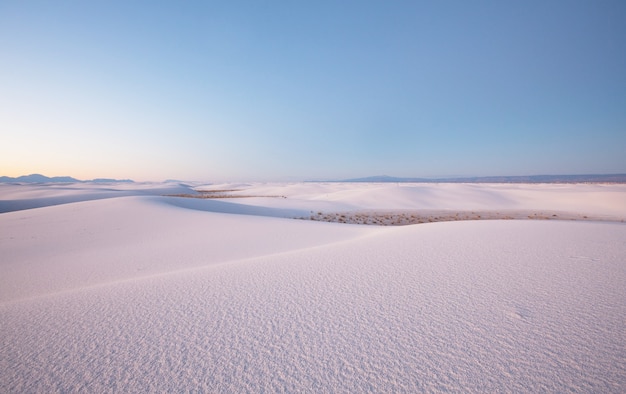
(312, 90)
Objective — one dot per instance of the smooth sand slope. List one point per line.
(137, 292)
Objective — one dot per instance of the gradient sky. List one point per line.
(295, 90)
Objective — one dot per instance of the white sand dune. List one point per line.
(593, 199)
(137, 293)
(27, 196)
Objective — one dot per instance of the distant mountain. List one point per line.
(38, 178)
(604, 178)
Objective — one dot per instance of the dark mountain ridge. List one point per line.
(589, 178)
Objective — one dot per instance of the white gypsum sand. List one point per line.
(137, 292)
